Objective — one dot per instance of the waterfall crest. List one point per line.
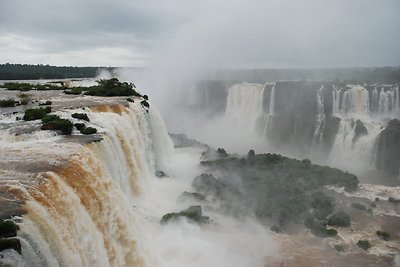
(77, 199)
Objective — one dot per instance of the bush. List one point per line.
(88, 130)
(47, 103)
(340, 218)
(383, 235)
(63, 125)
(79, 126)
(36, 113)
(322, 205)
(112, 87)
(6, 103)
(81, 116)
(50, 118)
(364, 244)
(74, 91)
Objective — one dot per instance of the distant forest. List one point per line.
(33, 72)
(388, 75)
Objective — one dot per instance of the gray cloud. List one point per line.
(198, 34)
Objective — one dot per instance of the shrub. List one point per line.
(47, 103)
(74, 91)
(340, 218)
(36, 113)
(88, 130)
(6, 103)
(145, 103)
(81, 116)
(63, 125)
(322, 205)
(50, 118)
(383, 235)
(79, 126)
(364, 244)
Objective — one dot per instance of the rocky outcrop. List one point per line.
(388, 149)
(359, 130)
(193, 213)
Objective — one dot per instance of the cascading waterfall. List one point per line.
(355, 100)
(336, 100)
(346, 150)
(78, 204)
(263, 123)
(317, 139)
(244, 104)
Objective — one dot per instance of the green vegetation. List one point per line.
(55, 123)
(25, 98)
(15, 86)
(364, 244)
(50, 118)
(383, 235)
(193, 213)
(338, 248)
(47, 103)
(111, 87)
(7, 103)
(276, 187)
(74, 91)
(8, 228)
(28, 72)
(340, 218)
(36, 113)
(79, 126)
(88, 130)
(81, 116)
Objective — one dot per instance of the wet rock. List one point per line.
(359, 130)
(10, 243)
(8, 228)
(192, 196)
(160, 174)
(388, 149)
(193, 213)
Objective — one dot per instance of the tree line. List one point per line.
(32, 72)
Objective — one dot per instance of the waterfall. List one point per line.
(347, 150)
(76, 199)
(336, 100)
(317, 139)
(244, 104)
(355, 100)
(272, 101)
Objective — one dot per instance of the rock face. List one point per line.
(388, 148)
(359, 130)
(193, 213)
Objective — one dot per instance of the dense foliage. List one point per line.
(36, 113)
(6, 103)
(280, 188)
(28, 72)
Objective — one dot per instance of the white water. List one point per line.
(317, 138)
(103, 207)
(244, 104)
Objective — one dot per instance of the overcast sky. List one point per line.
(206, 33)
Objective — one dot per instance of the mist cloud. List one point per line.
(219, 33)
